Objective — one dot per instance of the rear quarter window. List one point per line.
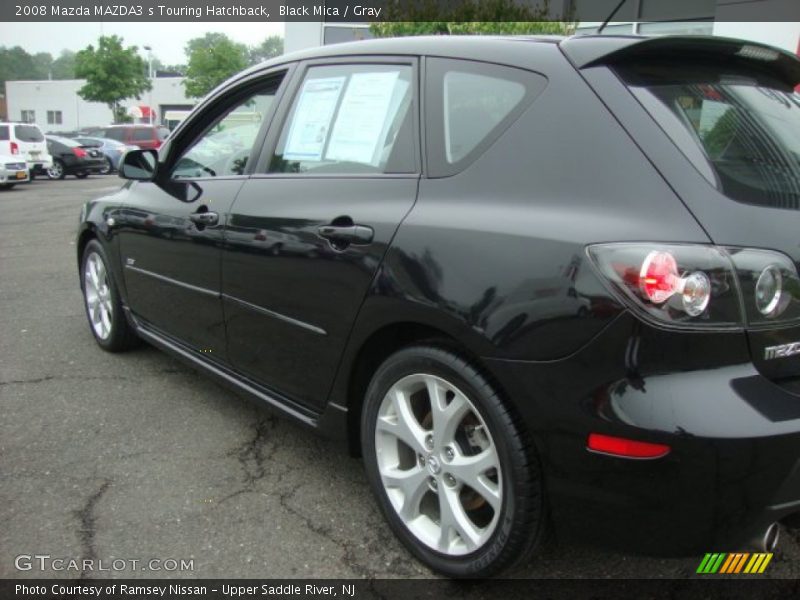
(469, 106)
(3, 133)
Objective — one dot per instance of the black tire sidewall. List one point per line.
(496, 554)
(120, 329)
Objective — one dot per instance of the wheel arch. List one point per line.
(372, 348)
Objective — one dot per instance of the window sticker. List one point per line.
(368, 109)
(312, 119)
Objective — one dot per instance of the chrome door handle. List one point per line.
(204, 218)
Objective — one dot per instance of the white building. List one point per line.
(56, 105)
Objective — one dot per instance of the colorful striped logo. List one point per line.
(736, 562)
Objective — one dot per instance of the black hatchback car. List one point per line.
(531, 281)
(73, 158)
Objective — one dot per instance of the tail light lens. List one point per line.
(701, 286)
(14, 148)
(79, 152)
(770, 285)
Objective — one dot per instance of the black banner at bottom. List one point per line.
(345, 589)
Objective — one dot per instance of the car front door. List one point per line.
(171, 231)
(309, 229)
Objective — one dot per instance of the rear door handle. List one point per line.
(204, 218)
(351, 234)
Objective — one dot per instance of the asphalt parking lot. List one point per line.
(134, 456)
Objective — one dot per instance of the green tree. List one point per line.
(213, 58)
(15, 64)
(269, 48)
(42, 64)
(112, 73)
(64, 66)
(469, 17)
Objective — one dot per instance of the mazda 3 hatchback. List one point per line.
(533, 282)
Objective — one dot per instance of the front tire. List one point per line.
(455, 474)
(102, 302)
(56, 171)
(82, 175)
(107, 168)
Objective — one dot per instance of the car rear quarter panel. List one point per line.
(496, 254)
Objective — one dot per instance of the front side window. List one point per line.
(744, 126)
(470, 105)
(114, 133)
(225, 147)
(349, 119)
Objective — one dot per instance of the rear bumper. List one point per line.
(734, 464)
(11, 176)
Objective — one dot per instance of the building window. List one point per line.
(28, 116)
(54, 117)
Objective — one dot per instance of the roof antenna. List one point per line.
(611, 16)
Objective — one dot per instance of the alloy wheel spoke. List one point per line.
(403, 424)
(470, 469)
(413, 483)
(446, 416)
(454, 520)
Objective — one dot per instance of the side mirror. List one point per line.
(139, 165)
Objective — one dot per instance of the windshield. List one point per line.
(745, 127)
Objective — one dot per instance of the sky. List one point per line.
(166, 39)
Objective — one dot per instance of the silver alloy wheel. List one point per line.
(55, 171)
(97, 292)
(438, 464)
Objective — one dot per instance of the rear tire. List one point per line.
(102, 302)
(454, 472)
(7, 186)
(82, 175)
(57, 171)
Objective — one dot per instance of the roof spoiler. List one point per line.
(590, 51)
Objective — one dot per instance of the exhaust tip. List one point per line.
(767, 541)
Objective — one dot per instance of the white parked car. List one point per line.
(13, 170)
(25, 141)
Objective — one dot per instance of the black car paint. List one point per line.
(93, 162)
(511, 287)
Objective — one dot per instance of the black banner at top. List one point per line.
(343, 11)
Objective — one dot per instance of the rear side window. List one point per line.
(141, 135)
(469, 105)
(350, 119)
(3, 133)
(28, 133)
(740, 128)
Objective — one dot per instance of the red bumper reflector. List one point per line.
(617, 446)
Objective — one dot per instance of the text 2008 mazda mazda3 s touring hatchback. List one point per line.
(530, 281)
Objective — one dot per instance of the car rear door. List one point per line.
(308, 231)
(170, 232)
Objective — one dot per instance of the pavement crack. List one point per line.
(253, 456)
(87, 525)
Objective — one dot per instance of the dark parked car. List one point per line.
(143, 136)
(112, 150)
(70, 157)
(531, 281)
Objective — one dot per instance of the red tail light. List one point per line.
(14, 148)
(617, 446)
(79, 152)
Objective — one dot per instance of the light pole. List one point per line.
(150, 76)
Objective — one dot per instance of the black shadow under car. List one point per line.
(531, 281)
